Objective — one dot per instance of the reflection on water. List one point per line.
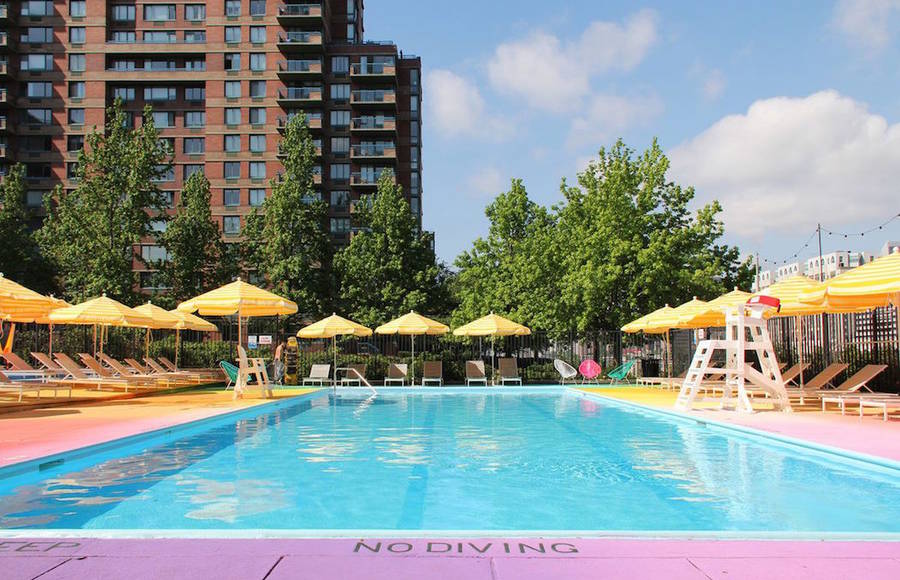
(475, 461)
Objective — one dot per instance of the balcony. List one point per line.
(317, 178)
(311, 122)
(4, 11)
(4, 97)
(281, 155)
(368, 179)
(3, 151)
(374, 124)
(307, 12)
(4, 40)
(373, 71)
(373, 97)
(299, 68)
(4, 68)
(2, 123)
(373, 152)
(300, 94)
(300, 40)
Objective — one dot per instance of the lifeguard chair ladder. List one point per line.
(746, 331)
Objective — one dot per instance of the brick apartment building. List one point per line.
(223, 77)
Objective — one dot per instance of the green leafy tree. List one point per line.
(389, 267)
(514, 269)
(286, 241)
(197, 260)
(91, 231)
(21, 259)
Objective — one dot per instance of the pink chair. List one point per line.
(590, 371)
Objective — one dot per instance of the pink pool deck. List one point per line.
(444, 558)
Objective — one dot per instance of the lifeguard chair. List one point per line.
(746, 332)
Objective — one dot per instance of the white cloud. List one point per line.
(554, 75)
(607, 116)
(788, 163)
(713, 85)
(457, 109)
(487, 182)
(868, 23)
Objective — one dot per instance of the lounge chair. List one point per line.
(854, 388)
(886, 404)
(138, 367)
(318, 374)
(22, 387)
(792, 375)
(397, 373)
(433, 372)
(76, 375)
(509, 371)
(48, 363)
(252, 367)
(356, 373)
(590, 371)
(22, 368)
(138, 382)
(620, 372)
(231, 373)
(475, 372)
(818, 382)
(123, 371)
(567, 373)
(183, 377)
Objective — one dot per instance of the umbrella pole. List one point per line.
(51, 339)
(493, 362)
(334, 350)
(95, 340)
(177, 341)
(147, 344)
(800, 345)
(412, 363)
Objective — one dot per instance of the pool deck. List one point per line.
(33, 433)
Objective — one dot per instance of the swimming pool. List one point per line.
(481, 459)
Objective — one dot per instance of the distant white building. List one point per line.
(835, 263)
(763, 280)
(786, 271)
(889, 247)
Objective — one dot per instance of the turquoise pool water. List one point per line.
(483, 460)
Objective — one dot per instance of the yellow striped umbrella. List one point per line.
(103, 312)
(712, 313)
(493, 326)
(161, 317)
(871, 285)
(672, 319)
(413, 324)
(641, 324)
(21, 304)
(332, 327)
(789, 291)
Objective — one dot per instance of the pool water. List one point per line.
(482, 460)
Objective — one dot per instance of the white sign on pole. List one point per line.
(251, 341)
(265, 339)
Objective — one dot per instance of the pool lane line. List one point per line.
(412, 510)
(870, 462)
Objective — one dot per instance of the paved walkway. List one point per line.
(449, 558)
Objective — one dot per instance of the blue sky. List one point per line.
(787, 112)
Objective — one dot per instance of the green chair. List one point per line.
(231, 373)
(620, 372)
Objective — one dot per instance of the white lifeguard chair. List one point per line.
(745, 331)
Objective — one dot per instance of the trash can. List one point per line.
(650, 367)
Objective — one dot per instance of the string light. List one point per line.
(863, 233)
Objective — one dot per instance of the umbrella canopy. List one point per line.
(492, 325)
(239, 298)
(712, 313)
(161, 317)
(672, 319)
(188, 321)
(789, 291)
(333, 326)
(641, 324)
(20, 304)
(413, 324)
(104, 311)
(871, 285)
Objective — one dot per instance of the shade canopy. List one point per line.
(672, 319)
(712, 313)
(104, 311)
(789, 291)
(188, 321)
(871, 285)
(239, 298)
(161, 317)
(21, 304)
(333, 326)
(641, 324)
(413, 324)
(492, 325)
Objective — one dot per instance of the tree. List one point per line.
(91, 231)
(389, 267)
(21, 259)
(197, 260)
(512, 271)
(286, 242)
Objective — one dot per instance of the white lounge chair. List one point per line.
(22, 387)
(356, 374)
(318, 375)
(475, 372)
(397, 373)
(433, 372)
(509, 371)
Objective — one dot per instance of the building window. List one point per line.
(231, 224)
(233, 89)
(340, 199)
(123, 12)
(232, 143)
(232, 7)
(38, 171)
(232, 116)
(232, 61)
(37, 8)
(414, 133)
(159, 12)
(195, 118)
(77, 8)
(257, 89)
(164, 173)
(151, 254)
(35, 197)
(194, 145)
(38, 116)
(257, 116)
(257, 7)
(76, 116)
(195, 64)
(159, 93)
(257, 143)
(257, 170)
(123, 36)
(159, 65)
(123, 65)
(340, 118)
(74, 143)
(124, 93)
(37, 62)
(76, 89)
(257, 197)
(232, 34)
(414, 105)
(351, 32)
(77, 62)
(190, 169)
(159, 37)
(414, 157)
(232, 197)
(340, 65)
(194, 36)
(77, 35)
(37, 35)
(39, 90)
(340, 145)
(340, 171)
(195, 94)
(72, 170)
(340, 225)
(258, 34)
(195, 12)
(258, 61)
(232, 170)
(414, 78)
(163, 119)
(340, 93)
